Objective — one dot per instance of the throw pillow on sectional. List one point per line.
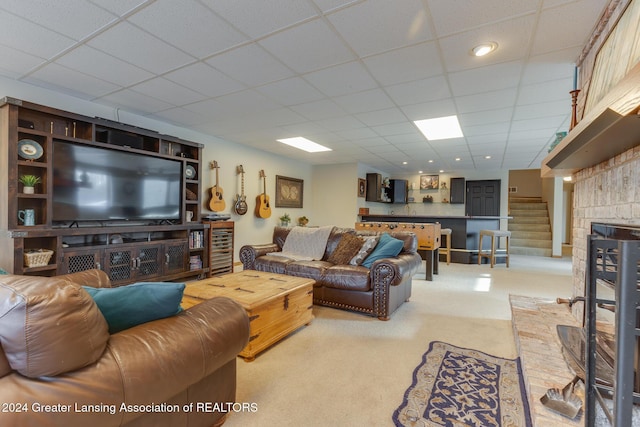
(387, 247)
(368, 246)
(348, 246)
(127, 306)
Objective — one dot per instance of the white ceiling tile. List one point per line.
(420, 61)
(293, 47)
(549, 66)
(291, 91)
(180, 117)
(554, 34)
(552, 122)
(419, 91)
(67, 79)
(543, 109)
(397, 128)
(361, 133)
(410, 138)
(188, 25)
(103, 66)
(119, 7)
(135, 101)
(76, 19)
(487, 138)
(342, 79)
(493, 100)
(485, 117)
(16, 63)
(31, 38)
(250, 64)
(257, 19)
(340, 123)
(486, 79)
(454, 17)
(140, 48)
(555, 90)
(379, 25)
(168, 91)
(486, 129)
(382, 117)
(369, 100)
(319, 110)
(205, 79)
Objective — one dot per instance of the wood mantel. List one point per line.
(610, 128)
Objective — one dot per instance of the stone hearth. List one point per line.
(540, 351)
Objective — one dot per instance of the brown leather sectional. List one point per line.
(377, 291)
(60, 367)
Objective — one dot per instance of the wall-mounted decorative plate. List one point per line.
(190, 172)
(29, 149)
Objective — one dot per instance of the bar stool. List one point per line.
(492, 254)
(446, 250)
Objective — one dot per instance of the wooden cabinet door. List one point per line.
(77, 260)
(176, 257)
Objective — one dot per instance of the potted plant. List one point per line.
(303, 221)
(285, 220)
(29, 182)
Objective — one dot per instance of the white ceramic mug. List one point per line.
(189, 216)
(27, 216)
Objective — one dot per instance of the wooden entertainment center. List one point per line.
(128, 252)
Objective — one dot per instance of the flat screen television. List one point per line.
(99, 184)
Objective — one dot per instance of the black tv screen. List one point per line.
(99, 184)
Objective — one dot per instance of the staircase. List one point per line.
(529, 226)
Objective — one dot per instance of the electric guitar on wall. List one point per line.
(216, 203)
(263, 208)
(240, 206)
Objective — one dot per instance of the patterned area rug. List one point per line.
(459, 387)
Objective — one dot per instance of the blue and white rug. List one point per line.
(459, 387)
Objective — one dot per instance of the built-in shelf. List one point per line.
(609, 129)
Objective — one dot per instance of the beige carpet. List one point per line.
(347, 369)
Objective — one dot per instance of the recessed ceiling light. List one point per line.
(404, 163)
(440, 128)
(430, 161)
(457, 159)
(487, 157)
(420, 172)
(484, 49)
(304, 144)
(441, 171)
(567, 179)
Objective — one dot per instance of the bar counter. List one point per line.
(465, 231)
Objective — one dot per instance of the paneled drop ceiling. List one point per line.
(351, 75)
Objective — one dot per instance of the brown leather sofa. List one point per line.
(377, 291)
(60, 367)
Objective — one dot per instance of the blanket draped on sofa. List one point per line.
(305, 244)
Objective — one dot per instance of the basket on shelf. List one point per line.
(37, 258)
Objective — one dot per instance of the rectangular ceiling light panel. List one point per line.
(440, 128)
(304, 144)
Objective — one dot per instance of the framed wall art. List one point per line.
(289, 192)
(362, 187)
(429, 182)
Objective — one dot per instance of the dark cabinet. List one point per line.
(457, 191)
(398, 190)
(375, 191)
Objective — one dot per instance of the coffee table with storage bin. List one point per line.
(277, 304)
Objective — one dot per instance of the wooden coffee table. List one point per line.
(276, 304)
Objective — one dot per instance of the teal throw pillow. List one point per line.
(387, 247)
(127, 306)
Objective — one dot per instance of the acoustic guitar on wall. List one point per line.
(263, 208)
(240, 206)
(216, 203)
